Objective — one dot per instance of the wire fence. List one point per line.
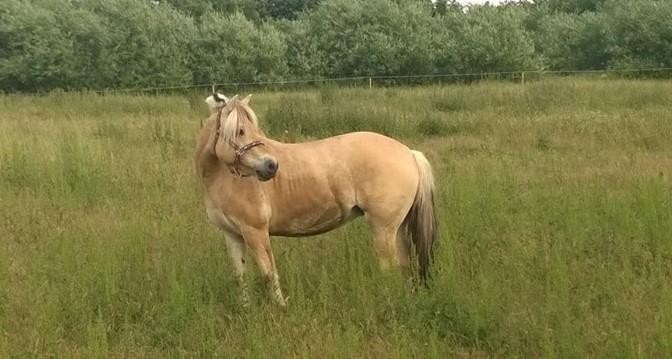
(522, 77)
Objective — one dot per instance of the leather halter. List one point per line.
(240, 150)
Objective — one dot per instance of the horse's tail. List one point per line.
(421, 222)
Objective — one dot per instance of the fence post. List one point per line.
(370, 83)
(522, 78)
(213, 88)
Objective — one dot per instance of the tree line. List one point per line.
(100, 44)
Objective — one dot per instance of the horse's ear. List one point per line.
(246, 100)
(220, 98)
(216, 101)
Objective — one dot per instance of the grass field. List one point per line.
(554, 200)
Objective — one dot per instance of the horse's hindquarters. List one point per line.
(385, 176)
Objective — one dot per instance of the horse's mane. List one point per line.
(238, 111)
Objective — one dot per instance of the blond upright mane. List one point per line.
(231, 125)
(239, 110)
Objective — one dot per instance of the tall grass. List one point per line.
(554, 202)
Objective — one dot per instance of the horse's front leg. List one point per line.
(236, 247)
(259, 243)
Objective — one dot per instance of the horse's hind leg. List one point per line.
(391, 246)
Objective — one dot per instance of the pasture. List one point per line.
(554, 205)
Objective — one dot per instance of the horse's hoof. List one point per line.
(282, 302)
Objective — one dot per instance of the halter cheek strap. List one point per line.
(240, 151)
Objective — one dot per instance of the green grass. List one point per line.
(554, 200)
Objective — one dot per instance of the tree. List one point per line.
(231, 48)
(305, 58)
(638, 33)
(559, 38)
(287, 9)
(381, 37)
(441, 7)
(149, 43)
(252, 9)
(44, 45)
(570, 6)
(484, 39)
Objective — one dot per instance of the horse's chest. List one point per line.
(218, 218)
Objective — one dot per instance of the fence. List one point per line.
(395, 80)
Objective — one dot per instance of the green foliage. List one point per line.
(287, 9)
(98, 44)
(252, 9)
(150, 43)
(441, 7)
(571, 6)
(557, 39)
(232, 48)
(76, 45)
(615, 34)
(569, 41)
(639, 33)
(45, 45)
(381, 37)
(485, 39)
(305, 58)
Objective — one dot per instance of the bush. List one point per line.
(485, 39)
(44, 46)
(304, 57)
(376, 37)
(94, 44)
(231, 48)
(639, 33)
(47, 45)
(150, 42)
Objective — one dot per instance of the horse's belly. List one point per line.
(314, 222)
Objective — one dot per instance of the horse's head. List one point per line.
(237, 140)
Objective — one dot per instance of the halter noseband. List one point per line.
(240, 151)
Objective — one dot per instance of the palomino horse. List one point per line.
(255, 187)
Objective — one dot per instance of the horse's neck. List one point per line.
(285, 153)
(212, 169)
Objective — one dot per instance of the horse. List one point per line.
(255, 187)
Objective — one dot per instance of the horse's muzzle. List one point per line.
(267, 169)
